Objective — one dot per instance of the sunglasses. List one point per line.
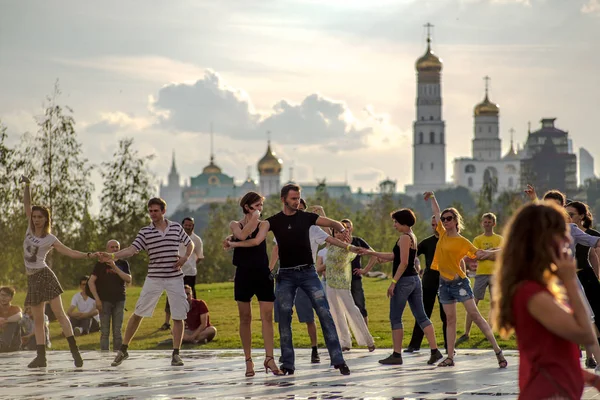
(447, 219)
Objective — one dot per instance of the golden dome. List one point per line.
(486, 107)
(211, 168)
(429, 62)
(269, 164)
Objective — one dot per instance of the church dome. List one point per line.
(429, 62)
(269, 164)
(211, 168)
(487, 108)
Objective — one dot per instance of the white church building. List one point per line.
(486, 163)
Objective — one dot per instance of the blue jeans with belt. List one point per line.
(289, 280)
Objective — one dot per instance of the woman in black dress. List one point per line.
(253, 277)
(587, 259)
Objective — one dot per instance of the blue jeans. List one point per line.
(115, 312)
(408, 289)
(288, 283)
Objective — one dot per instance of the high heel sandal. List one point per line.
(249, 372)
(502, 363)
(276, 371)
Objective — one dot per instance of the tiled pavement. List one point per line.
(220, 374)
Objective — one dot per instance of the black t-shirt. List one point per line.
(291, 233)
(358, 242)
(427, 247)
(582, 255)
(109, 284)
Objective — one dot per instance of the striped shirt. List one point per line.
(162, 248)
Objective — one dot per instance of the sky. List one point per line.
(332, 80)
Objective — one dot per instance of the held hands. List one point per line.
(359, 271)
(103, 257)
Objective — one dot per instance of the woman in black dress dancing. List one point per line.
(42, 285)
(253, 277)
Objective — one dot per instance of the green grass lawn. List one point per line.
(224, 315)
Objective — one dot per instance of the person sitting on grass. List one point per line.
(10, 315)
(197, 325)
(28, 330)
(83, 314)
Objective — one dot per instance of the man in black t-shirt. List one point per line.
(356, 288)
(107, 284)
(297, 270)
(431, 283)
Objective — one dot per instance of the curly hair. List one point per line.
(526, 257)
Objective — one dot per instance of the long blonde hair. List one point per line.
(526, 256)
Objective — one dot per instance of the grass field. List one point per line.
(224, 315)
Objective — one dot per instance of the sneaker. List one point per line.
(314, 357)
(176, 361)
(345, 348)
(165, 327)
(371, 348)
(344, 370)
(410, 349)
(590, 363)
(77, 331)
(391, 360)
(462, 339)
(435, 357)
(120, 358)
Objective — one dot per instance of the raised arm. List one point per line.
(330, 223)
(531, 194)
(66, 251)
(435, 207)
(26, 196)
(243, 233)
(338, 243)
(260, 236)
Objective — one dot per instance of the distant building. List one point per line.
(429, 144)
(486, 164)
(548, 163)
(269, 170)
(586, 166)
(171, 192)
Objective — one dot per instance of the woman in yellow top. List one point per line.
(454, 283)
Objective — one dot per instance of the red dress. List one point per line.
(549, 365)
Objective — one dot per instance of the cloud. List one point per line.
(591, 7)
(315, 120)
(369, 175)
(111, 122)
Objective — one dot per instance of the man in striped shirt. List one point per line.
(161, 240)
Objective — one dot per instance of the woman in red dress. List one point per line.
(538, 298)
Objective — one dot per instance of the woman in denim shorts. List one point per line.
(454, 283)
(405, 287)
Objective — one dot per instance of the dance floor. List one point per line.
(209, 374)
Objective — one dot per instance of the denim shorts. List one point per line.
(456, 290)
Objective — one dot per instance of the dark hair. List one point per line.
(347, 221)
(555, 195)
(84, 278)
(191, 219)
(8, 290)
(157, 201)
(303, 203)
(249, 199)
(489, 215)
(46, 213)
(404, 216)
(288, 188)
(583, 209)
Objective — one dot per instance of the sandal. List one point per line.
(448, 362)
(249, 371)
(268, 366)
(502, 363)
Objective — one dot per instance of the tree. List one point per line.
(128, 184)
(54, 161)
